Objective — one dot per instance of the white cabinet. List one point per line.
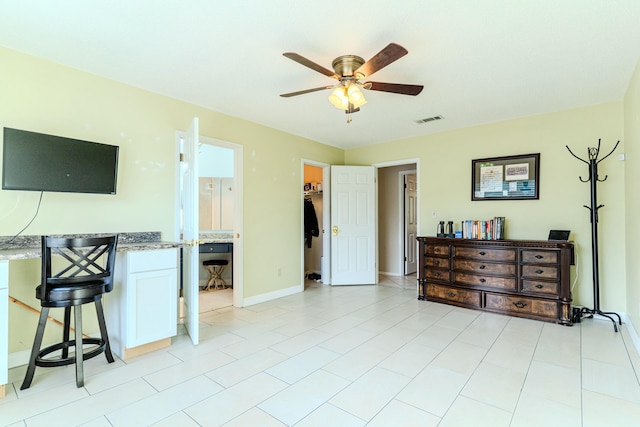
(4, 323)
(142, 308)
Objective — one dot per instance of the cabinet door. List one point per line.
(151, 308)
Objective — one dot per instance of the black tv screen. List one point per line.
(38, 162)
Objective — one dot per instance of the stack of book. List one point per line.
(492, 229)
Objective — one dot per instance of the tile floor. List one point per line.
(352, 356)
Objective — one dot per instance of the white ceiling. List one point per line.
(479, 61)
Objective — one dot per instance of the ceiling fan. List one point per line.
(349, 70)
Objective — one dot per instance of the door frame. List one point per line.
(400, 241)
(326, 220)
(238, 236)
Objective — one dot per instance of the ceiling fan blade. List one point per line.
(302, 92)
(310, 64)
(386, 56)
(394, 88)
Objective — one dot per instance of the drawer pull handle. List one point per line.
(450, 294)
(436, 274)
(483, 253)
(539, 271)
(436, 250)
(539, 286)
(482, 267)
(520, 304)
(482, 280)
(539, 256)
(436, 263)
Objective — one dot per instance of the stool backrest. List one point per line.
(78, 261)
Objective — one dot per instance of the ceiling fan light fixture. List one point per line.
(343, 95)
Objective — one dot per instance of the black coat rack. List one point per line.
(593, 210)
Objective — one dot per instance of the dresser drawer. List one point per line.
(437, 274)
(522, 305)
(463, 296)
(538, 287)
(436, 262)
(539, 271)
(492, 281)
(539, 257)
(486, 254)
(485, 267)
(435, 249)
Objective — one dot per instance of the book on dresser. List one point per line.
(525, 278)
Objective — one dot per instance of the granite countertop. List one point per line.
(216, 237)
(25, 247)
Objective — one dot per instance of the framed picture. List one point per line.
(506, 178)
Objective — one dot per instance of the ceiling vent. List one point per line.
(429, 119)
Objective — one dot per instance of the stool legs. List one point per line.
(215, 277)
(103, 332)
(77, 319)
(44, 313)
(37, 357)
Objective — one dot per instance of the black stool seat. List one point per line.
(215, 262)
(215, 267)
(80, 278)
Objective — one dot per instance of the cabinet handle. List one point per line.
(450, 294)
(436, 262)
(436, 250)
(539, 286)
(483, 253)
(482, 280)
(539, 271)
(520, 304)
(539, 256)
(482, 267)
(436, 274)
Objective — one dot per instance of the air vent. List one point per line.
(429, 119)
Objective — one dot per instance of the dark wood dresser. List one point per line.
(525, 278)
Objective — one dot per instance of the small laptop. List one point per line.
(562, 235)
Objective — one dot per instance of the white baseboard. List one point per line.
(273, 295)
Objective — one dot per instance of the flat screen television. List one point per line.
(38, 162)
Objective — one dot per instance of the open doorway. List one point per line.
(227, 240)
(315, 214)
(398, 217)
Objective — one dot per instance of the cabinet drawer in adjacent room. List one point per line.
(507, 283)
(463, 296)
(539, 257)
(540, 271)
(505, 269)
(539, 287)
(515, 304)
(487, 254)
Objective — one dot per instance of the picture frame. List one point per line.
(506, 178)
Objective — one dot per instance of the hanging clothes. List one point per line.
(311, 228)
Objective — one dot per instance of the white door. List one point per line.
(353, 225)
(190, 231)
(410, 223)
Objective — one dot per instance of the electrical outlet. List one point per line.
(433, 214)
(280, 272)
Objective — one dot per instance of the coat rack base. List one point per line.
(588, 313)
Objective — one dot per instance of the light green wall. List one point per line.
(41, 96)
(632, 196)
(445, 184)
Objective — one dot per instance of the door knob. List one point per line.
(334, 230)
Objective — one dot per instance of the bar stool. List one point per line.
(79, 278)
(215, 267)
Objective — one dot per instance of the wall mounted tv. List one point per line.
(38, 162)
